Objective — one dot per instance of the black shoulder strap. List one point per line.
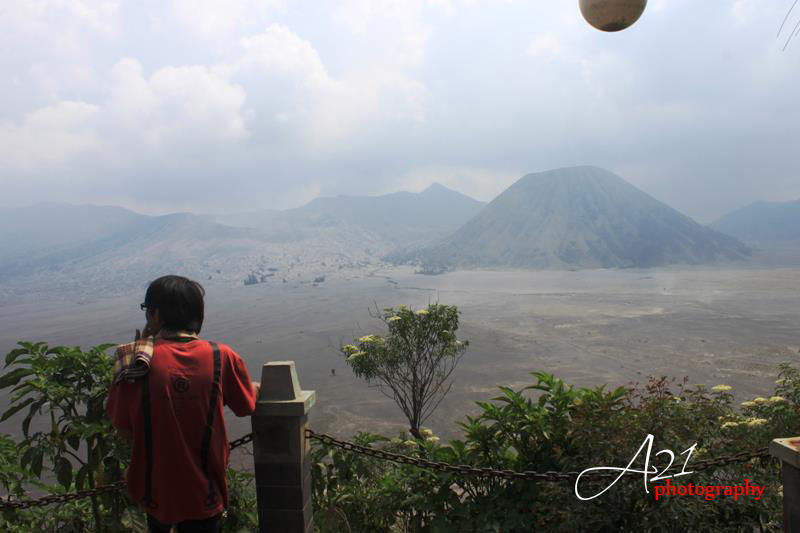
(148, 444)
(211, 500)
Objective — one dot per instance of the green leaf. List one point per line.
(27, 457)
(36, 462)
(27, 422)
(80, 477)
(16, 408)
(74, 441)
(64, 472)
(13, 354)
(13, 377)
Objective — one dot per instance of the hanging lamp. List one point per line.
(612, 15)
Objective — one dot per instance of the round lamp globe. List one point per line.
(612, 15)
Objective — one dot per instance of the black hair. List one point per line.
(179, 302)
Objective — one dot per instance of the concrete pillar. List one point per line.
(788, 451)
(281, 452)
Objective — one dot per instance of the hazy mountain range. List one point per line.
(97, 248)
(763, 222)
(581, 217)
(402, 218)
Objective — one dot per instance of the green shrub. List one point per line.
(552, 426)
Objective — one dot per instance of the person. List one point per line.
(167, 395)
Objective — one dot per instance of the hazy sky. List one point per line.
(204, 106)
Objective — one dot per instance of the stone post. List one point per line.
(788, 451)
(281, 452)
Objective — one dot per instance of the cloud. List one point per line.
(215, 20)
(324, 110)
(546, 46)
(50, 135)
(283, 100)
(175, 107)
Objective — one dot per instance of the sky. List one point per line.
(235, 105)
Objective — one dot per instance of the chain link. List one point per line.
(62, 498)
(741, 457)
(72, 496)
(466, 470)
(240, 441)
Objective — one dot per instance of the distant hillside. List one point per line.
(581, 217)
(763, 222)
(401, 218)
(54, 226)
(139, 246)
(103, 250)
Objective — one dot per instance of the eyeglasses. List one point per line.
(143, 307)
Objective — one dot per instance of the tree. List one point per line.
(413, 362)
(64, 389)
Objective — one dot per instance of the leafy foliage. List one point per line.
(552, 426)
(68, 439)
(413, 361)
(66, 433)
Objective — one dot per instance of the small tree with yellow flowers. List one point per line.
(413, 362)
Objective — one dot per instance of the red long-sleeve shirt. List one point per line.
(183, 485)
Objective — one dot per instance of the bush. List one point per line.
(551, 426)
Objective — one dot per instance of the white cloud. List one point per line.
(216, 18)
(53, 134)
(186, 108)
(546, 46)
(393, 27)
(328, 110)
(176, 108)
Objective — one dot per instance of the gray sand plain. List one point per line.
(730, 325)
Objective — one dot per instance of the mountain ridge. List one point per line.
(763, 222)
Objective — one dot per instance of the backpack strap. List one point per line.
(205, 448)
(148, 445)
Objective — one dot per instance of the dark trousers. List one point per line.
(206, 525)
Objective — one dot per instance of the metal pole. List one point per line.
(788, 451)
(281, 451)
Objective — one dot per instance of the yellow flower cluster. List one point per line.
(394, 319)
(367, 338)
(776, 399)
(752, 422)
(433, 440)
(759, 400)
(721, 388)
(426, 432)
(728, 425)
(748, 404)
(423, 312)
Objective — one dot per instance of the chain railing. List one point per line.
(400, 458)
(88, 493)
(741, 457)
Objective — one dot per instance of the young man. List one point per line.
(168, 394)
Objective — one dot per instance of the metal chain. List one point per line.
(62, 498)
(72, 496)
(467, 470)
(240, 441)
(741, 457)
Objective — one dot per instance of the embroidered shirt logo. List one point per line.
(180, 384)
